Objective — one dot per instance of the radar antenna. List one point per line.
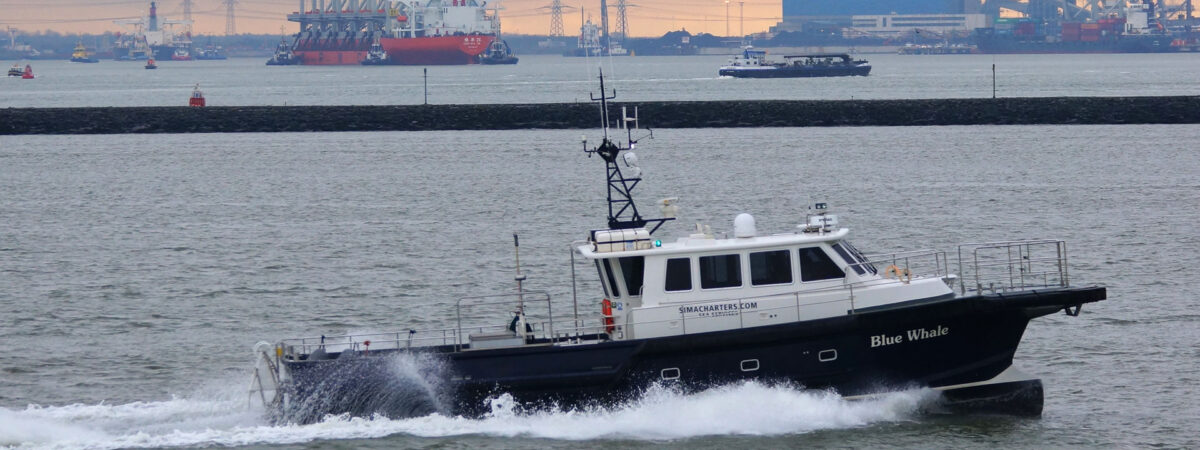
(622, 211)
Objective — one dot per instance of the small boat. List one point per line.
(283, 55)
(28, 73)
(755, 64)
(181, 54)
(210, 53)
(15, 71)
(150, 64)
(801, 306)
(376, 56)
(498, 53)
(81, 55)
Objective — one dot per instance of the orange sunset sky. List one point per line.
(646, 17)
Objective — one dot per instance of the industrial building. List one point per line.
(882, 16)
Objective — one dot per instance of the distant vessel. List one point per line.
(150, 64)
(15, 71)
(937, 49)
(210, 52)
(149, 38)
(594, 41)
(81, 55)
(28, 73)
(283, 55)
(498, 53)
(755, 64)
(412, 33)
(181, 54)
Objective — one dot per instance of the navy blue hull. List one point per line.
(930, 343)
(797, 72)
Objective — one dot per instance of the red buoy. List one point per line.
(197, 99)
(28, 75)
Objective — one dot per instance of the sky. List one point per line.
(645, 17)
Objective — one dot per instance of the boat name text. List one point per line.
(917, 334)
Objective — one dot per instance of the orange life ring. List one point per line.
(610, 325)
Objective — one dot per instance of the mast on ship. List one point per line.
(622, 211)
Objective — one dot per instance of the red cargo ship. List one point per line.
(341, 32)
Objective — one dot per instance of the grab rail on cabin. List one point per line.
(1012, 265)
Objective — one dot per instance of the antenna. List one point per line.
(622, 212)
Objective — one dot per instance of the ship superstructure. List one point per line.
(338, 32)
(152, 37)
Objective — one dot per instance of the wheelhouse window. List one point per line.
(679, 275)
(632, 268)
(816, 265)
(852, 261)
(857, 254)
(720, 271)
(773, 267)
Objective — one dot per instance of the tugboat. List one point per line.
(283, 55)
(498, 53)
(81, 55)
(15, 71)
(755, 64)
(803, 307)
(28, 73)
(376, 56)
(181, 54)
(150, 64)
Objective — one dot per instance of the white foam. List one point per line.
(741, 409)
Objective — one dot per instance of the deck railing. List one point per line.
(992, 267)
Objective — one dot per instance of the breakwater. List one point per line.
(706, 114)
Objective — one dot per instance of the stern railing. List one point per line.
(994, 267)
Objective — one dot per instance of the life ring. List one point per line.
(894, 271)
(610, 325)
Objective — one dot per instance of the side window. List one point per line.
(632, 268)
(852, 261)
(612, 280)
(774, 267)
(679, 275)
(816, 265)
(720, 271)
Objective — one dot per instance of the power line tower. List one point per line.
(230, 20)
(622, 22)
(187, 16)
(556, 26)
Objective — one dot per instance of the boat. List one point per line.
(376, 56)
(28, 73)
(81, 55)
(752, 63)
(181, 54)
(429, 32)
(210, 53)
(150, 64)
(498, 53)
(803, 307)
(15, 71)
(283, 55)
(152, 37)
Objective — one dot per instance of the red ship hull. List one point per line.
(437, 50)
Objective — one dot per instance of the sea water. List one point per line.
(138, 271)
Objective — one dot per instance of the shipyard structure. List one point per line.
(1005, 26)
(340, 32)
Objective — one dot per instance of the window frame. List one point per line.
(791, 276)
